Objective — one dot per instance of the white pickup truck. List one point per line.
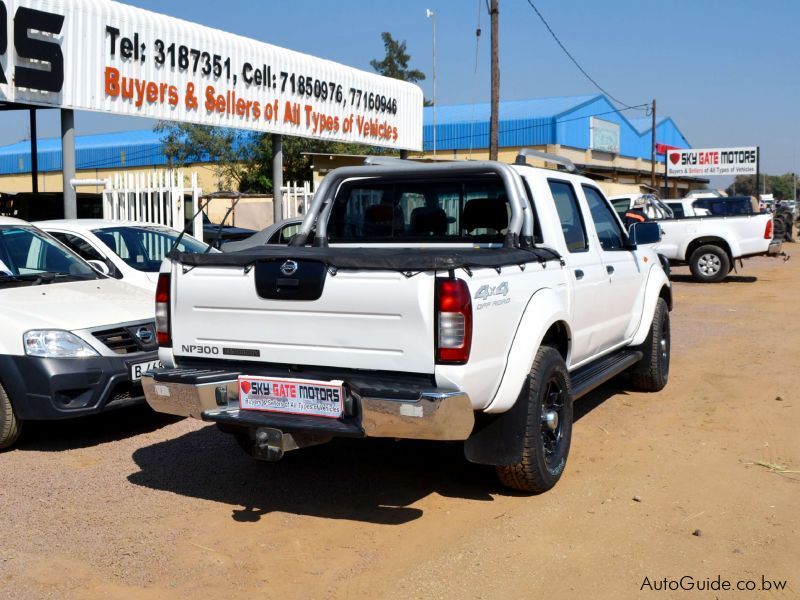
(710, 245)
(468, 301)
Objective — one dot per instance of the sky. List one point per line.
(727, 71)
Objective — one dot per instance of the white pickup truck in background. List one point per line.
(710, 245)
(468, 301)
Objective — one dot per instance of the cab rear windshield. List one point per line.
(474, 210)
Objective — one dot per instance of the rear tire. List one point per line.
(548, 426)
(710, 264)
(652, 372)
(10, 426)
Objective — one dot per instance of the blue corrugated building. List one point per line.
(125, 149)
(562, 120)
(605, 142)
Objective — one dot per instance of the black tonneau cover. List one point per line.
(404, 260)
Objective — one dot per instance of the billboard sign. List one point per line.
(603, 135)
(105, 56)
(712, 161)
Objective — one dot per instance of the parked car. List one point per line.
(277, 233)
(73, 342)
(429, 303)
(125, 250)
(654, 207)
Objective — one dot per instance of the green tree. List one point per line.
(781, 186)
(227, 151)
(395, 63)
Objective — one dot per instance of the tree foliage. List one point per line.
(395, 63)
(781, 186)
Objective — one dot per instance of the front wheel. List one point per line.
(710, 264)
(10, 426)
(548, 426)
(652, 372)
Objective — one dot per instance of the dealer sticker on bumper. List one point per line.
(294, 396)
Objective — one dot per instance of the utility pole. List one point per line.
(432, 16)
(653, 149)
(494, 123)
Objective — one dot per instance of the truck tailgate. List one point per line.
(377, 320)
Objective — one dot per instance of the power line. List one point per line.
(576, 63)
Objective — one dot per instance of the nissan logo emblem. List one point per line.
(144, 335)
(289, 268)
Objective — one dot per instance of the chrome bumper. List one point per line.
(775, 248)
(433, 415)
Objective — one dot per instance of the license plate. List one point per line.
(140, 369)
(293, 396)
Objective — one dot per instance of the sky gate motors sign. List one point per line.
(105, 56)
(714, 161)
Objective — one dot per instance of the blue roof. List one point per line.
(561, 120)
(137, 148)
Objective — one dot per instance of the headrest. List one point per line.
(427, 220)
(486, 213)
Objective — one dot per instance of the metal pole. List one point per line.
(653, 150)
(666, 175)
(34, 153)
(434, 84)
(758, 171)
(68, 163)
(494, 123)
(277, 177)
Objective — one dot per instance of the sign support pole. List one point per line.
(68, 163)
(666, 175)
(758, 171)
(277, 177)
(34, 153)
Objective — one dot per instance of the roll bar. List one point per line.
(520, 227)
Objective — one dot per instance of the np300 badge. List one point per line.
(289, 268)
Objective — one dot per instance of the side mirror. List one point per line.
(99, 266)
(648, 232)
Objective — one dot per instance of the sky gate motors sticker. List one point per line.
(294, 396)
(713, 161)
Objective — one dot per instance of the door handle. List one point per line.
(609, 269)
(578, 274)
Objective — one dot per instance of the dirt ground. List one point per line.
(132, 505)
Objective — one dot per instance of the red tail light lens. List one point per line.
(453, 322)
(163, 334)
(768, 230)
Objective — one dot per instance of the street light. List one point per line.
(432, 16)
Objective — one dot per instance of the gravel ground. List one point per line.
(136, 505)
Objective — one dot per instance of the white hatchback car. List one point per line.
(131, 251)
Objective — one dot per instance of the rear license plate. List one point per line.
(140, 369)
(293, 396)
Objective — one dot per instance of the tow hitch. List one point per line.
(271, 444)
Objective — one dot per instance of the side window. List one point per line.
(569, 213)
(677, 210)
(605, 221)
(78, 245)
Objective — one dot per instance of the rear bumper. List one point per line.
(775, 248)
(212, 395)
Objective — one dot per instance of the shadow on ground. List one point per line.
(370, 480)
(728, 279)
(84, 432)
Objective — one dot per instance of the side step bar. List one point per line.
(593, 375)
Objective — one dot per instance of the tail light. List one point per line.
(453, 322)
(163, 334)
(768, 230)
